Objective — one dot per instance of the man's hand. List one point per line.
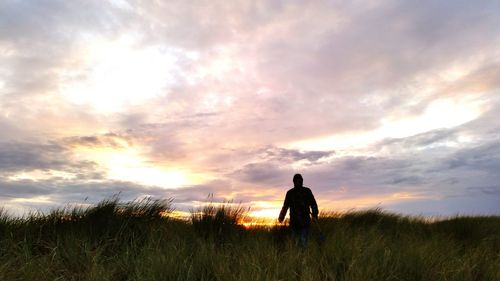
(314, 219)
(280, 219)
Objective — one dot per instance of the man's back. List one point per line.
(302, 205)
(301, 201)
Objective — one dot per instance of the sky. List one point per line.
(389, 104)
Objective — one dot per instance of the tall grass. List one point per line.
(139, 241)
(218, 222)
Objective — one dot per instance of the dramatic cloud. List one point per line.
(387, 103)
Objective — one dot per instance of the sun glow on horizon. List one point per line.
(265, 209)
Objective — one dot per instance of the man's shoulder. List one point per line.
(293, 190)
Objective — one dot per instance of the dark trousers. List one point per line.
(301, 236)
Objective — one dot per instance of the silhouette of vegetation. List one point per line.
(218, 222)
(139, 240)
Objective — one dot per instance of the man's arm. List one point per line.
(314, 206)
(286, 204)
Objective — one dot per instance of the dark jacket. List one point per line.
(301, 201)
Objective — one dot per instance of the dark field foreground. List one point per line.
(136, 241)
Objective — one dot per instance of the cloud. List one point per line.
(483, 158)
(283, 154)
(46, 194)
(493, 190)
(262, 173)
(22, 156)
(304, 59)
(438, 140)
(112, 140)
(39, 39)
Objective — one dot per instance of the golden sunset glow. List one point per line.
(265, 209)
(363, 202)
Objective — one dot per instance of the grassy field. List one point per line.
(136, 241)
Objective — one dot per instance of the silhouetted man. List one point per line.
(301, 202)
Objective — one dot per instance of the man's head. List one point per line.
(297, 180)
